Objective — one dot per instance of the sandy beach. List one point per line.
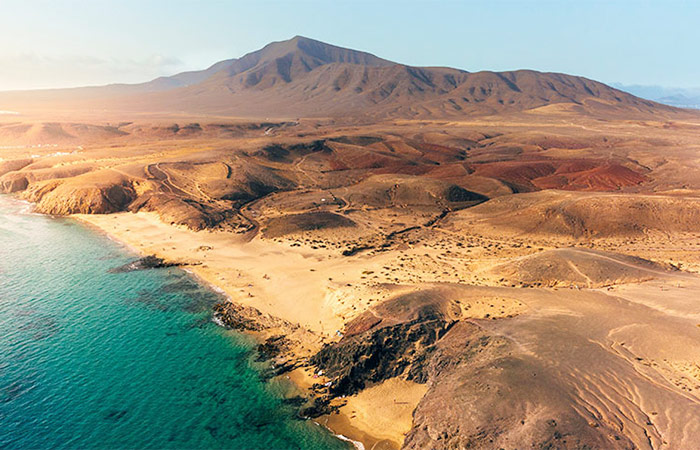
(317, 292)
(412, 256)
(313, 289)
(425, 267)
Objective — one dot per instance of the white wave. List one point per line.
(217, 289)
(358, 445)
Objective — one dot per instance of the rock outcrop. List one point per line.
(63, 199)
(483, 390)
(147, 262)
(180, 211)
(13, 182)
(100, 192)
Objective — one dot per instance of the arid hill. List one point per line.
(581, 216)
(448, 259)
(571, 267)
(516, 381)
(302, 77)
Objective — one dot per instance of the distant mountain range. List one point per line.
(678, 97)
(302, 77)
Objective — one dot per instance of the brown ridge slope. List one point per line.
(510, 382)
(302, 77)
(99, 192)
(581, 215)
(572, 267)
(574, 175)
(428, 264)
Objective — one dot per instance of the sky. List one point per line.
(63, 43)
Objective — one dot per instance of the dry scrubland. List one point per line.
(469, 260)
(480, 284)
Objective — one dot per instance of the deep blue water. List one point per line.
(92, 359)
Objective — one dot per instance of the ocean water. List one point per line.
(93, 359)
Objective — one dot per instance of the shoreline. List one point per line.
(67, 303)
(340, 424)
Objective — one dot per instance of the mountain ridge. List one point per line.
(303, 77)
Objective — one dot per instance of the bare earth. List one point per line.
(517, 267)
(541, 277)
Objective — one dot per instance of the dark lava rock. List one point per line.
(235, 317)
(396, 340)
(458, 194)
(355, 250)
(320, 406)
(381, 353)
(147, 262)
(296, 401)
(272, 347)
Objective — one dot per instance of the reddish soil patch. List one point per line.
(440, 153)
(574, 175)
(407, 169)
(609, 177)
(517, 173)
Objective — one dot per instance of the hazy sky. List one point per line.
(60, 43)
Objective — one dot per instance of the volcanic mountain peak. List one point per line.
(317, 51)
(284, 60)
(303, 77)
(287, 60)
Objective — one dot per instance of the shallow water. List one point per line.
(92, 359)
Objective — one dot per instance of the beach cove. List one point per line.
(95, 358)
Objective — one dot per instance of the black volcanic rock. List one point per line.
(147, 262)
(377, 355)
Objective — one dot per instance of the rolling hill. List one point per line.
(519, 268)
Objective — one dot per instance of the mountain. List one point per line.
(681, 101)
(302, 77)
(286, 59)
(672, 96)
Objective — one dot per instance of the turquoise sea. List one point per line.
(93, 359)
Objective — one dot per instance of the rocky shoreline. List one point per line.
(277, 350)
(468, 365)
(277, 340)
(146, 262)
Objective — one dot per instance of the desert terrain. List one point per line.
(438, 259)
